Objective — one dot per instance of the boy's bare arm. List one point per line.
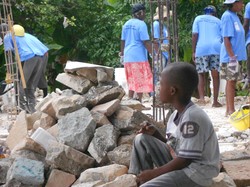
(150, 129)
(175, 164)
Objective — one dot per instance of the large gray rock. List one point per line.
(126, 180)
(45, 122)
(29, 144)
(121, 155)
(223, 180)
(107, 108)
(126, 139)
(77, 129)
(74, 66)
(5, 164)
(27, 172)
(28, 154)
(128, 120)
(60, 178)
(65, 158)
(68, 104)
(77, 83)
(103, 94)
(238, 170)
(100, 119)
(105, 174)
(105, 140)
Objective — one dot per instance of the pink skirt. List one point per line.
(139, 77)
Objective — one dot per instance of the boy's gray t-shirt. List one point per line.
(195, 139)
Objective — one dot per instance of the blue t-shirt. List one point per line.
(28, 46)
(247, 16)
(134, 32)
(157, 35)
(208, 28)
(232, 28)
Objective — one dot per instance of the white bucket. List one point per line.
(43, 137)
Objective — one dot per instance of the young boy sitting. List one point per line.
(190, 157)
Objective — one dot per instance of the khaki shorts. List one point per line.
(228, 74)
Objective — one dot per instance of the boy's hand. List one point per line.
(147, 128)
(145, 176)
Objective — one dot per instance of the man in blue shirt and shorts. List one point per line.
(206, 43)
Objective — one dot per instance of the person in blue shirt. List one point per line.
(135, 45)
(206, 44)
(161, 43)
(247, 33)
(33, 55)
(233, 50)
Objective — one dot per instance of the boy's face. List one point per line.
(166, 90)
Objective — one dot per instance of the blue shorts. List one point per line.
(207, 63)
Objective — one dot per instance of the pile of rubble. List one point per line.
(79, 137)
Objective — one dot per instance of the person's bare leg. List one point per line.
(201, 88)
(131, 94)
(216, 86)
(230, 94)
(139, 95)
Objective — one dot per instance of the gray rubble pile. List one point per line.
(79, 137)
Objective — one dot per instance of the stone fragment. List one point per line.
(100, 119)
(88, 73)
(32, 118)
(105, 140)
(128, 120)
(45, 121)
(103, 94)
(223, 180)
(126, 139)
(59, 178)
(105, 173)
(67, 159)
(18, 132)
(239, 171)
(134, 104)
(26, 171)
(77, 83)
(67, 104)
(29, 144)
(73, 66)
(121, 155)
(126, 180)
(77, 129)
(107, 108)
(5, 164)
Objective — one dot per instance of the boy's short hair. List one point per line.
(185, 77)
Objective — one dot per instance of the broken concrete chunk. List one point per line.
(67, 159)
(76, 129)
(26, 171)
(105, 140)
(79, 84)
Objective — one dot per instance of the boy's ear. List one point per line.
(172, 90)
